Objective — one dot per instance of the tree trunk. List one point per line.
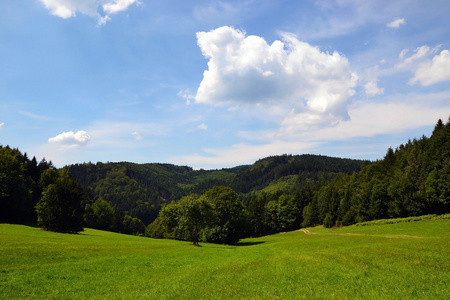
(194, 238)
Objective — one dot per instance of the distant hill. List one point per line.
(140, 189)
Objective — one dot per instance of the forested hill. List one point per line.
(274, 194)
(305, 168)
(140, 189)
(412, 180)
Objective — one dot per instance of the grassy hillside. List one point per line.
(391, 261)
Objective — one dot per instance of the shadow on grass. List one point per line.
(231, 247)
(250, 243)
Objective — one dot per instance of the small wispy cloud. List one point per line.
(137, 136)
(33, 115)
(185, 94)
(371, 87)
(396, 23)
(68, 8)
(419, 52)
(1, 125)
(202, 126)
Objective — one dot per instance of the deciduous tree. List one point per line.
(60, 208)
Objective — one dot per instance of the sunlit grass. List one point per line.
(393, 261)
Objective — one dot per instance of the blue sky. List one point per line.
(213, 84)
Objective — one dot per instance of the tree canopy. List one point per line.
(216, 216)
(61, 206)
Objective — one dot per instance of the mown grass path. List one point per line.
(396, 261)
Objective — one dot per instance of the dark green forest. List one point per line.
(275, 194)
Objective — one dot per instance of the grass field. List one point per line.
(393, 261)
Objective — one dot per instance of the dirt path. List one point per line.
(306, 231)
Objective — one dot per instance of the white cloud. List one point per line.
(245, 69)
(433, 71)
(298, 133)
(396, 113)
(69, 8)
(403, 53)
(371, 87)
(420, 52)
(185, 94)
(1, 125)
(71, 139)
(137, 136)
(115, 6)
(59, 8)
(396, 23)
(202, 126)
(33, 115)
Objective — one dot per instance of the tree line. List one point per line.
(38, 193)
(275, 194)
(140, 190)
(412, 180)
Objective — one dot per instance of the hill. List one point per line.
(279, 193)
(140, 189)
(407, 260)
(412, 180)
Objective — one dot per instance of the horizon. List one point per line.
(219, 84)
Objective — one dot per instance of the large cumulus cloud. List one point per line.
(246, 69)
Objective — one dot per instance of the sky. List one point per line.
(217, 84)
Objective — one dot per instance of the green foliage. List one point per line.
(216, 216)
(229, 216)
(133, 226)
(271, 216)
(275, 194)
(307, 168)
(48, 177)
(413, 180)
(195, 216)
(141, 189)
(168, 217)
(19, 185)
(99, 215)
(155, 229)
(256, 214)
(13, 188)
(61, 206)
(310, 217)
(185, 219)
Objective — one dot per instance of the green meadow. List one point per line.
(406, 260)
